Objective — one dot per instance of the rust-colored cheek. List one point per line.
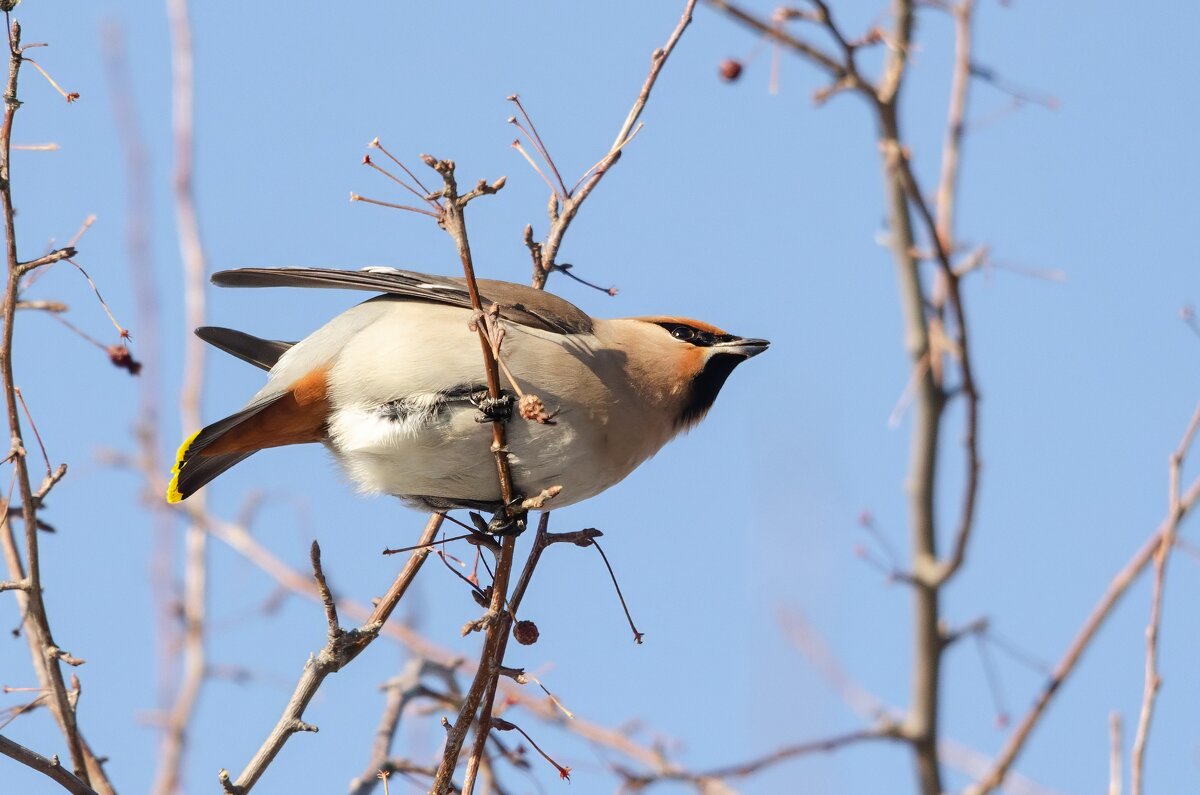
(296, 418)
(690, 363)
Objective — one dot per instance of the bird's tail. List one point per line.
(197, 463)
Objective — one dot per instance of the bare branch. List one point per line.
(401, 691)
(1083, 638)
(1153, 681)
(195, 578)
(51, 768)
(1114, 753)
(753, 766)
(47, 259)
(546, 253)
(37, 627)
(341, 647)
(246, 545)
(830, 64)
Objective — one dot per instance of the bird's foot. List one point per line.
(508, 521)
(492, 409)
(511, 520)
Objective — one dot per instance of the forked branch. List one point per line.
(341, 647)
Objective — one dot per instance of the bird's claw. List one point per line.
(492, 409)
(505, 524)
(509, 521)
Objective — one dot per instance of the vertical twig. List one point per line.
(923, 313)
(1153, 681)
(921, 723)
(1114, 753)
(46, 653)
(191, 249)
(144, 282)
(484, 727)
(454, 222)
(483, 688)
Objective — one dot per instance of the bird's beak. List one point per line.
(742, 347)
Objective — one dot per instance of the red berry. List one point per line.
(730, 70)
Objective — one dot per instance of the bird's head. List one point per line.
(684, 362)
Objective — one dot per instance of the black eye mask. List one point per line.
(703, 339)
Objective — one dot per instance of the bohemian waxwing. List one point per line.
(393, 388)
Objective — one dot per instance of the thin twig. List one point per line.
(246, 545)
(341, 647)
(143, 277)
(454, 222)
(1116, 589)
(637, 636)
(1114, 753)
(195, 576)
(36, 621)
(561, 219)
(818, 56)
(786, 753)
(1137, 757)
(354, 197)
(400, 691)
(436, 204)
(537, 141)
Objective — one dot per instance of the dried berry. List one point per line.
(526, 633)
(120, 356)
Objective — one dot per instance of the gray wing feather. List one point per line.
(258, 352)
(518, 303)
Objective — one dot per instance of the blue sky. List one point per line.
(756, 212)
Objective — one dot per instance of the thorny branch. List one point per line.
(46, 653)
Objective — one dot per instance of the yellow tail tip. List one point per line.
(173, 493)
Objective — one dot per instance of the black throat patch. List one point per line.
(707, 385)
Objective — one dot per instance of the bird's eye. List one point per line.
(683, 333)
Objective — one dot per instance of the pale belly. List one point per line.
(436, 454)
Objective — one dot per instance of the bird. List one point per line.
(395, 388)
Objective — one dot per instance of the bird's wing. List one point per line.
(518, 304)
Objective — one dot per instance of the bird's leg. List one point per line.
(492, 409)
